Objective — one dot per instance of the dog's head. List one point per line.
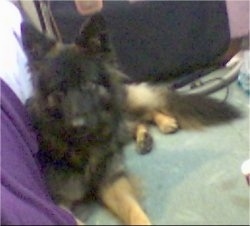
(78, 84)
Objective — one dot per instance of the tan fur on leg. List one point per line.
(121, 200)
(165, 123)
(141, 130)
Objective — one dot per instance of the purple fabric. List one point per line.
(24, 198)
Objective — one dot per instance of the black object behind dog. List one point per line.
(174, 41)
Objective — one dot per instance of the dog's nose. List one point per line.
(78, 122)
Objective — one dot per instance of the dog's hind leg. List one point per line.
(140, 133)
(165, 123)
(144, 140)
(121, 200)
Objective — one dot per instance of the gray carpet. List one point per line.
(193, 177)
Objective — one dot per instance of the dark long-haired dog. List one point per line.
(85, 113)
(76, 109)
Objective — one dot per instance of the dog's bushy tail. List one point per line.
(192, 111)
(195, 111)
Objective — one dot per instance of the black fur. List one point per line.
(76, 107)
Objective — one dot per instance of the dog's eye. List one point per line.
(53, 104)
(54, 98)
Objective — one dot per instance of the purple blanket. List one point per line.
(24, 198)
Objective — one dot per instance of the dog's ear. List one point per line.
(93, 36)
(35, 44)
